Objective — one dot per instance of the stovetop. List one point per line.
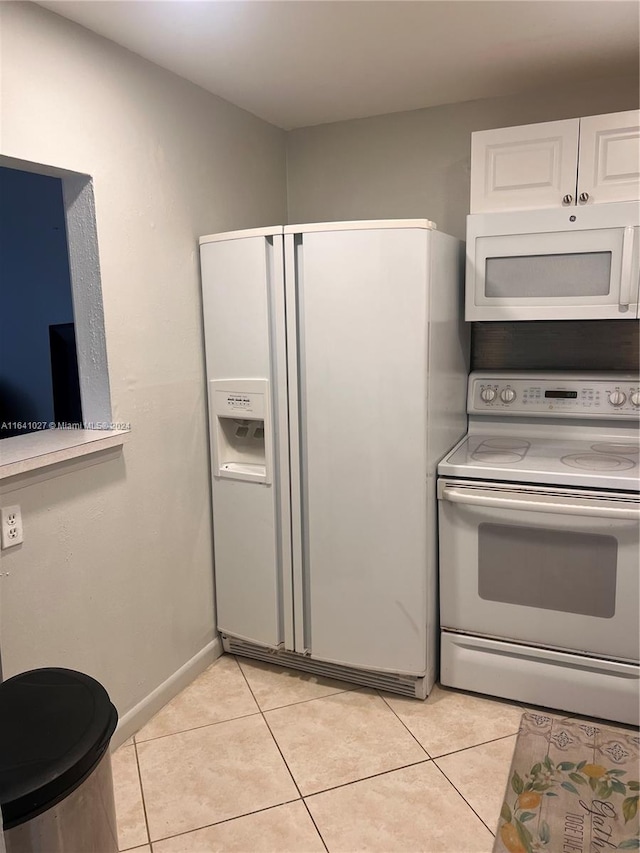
(551, 429)
(593, 462)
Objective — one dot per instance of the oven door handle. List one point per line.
(533, 503)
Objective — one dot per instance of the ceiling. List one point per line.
(302, 62)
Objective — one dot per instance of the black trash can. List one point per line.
(56, 789)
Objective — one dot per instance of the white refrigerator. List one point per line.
(336, 361)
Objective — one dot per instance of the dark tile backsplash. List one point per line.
(556, 345)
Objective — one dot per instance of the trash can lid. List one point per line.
(55, 725)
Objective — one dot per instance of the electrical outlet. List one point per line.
(11, 519)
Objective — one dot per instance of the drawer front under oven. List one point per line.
(556, 568)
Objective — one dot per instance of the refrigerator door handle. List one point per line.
(281, 431)
(297, 553)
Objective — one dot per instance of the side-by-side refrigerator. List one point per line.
(336, 361)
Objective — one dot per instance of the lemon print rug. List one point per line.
(572, 788)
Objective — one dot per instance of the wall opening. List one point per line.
(53, 365)
(38, 365)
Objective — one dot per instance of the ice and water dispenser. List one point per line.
(241, 418)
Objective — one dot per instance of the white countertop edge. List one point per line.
(23, 453)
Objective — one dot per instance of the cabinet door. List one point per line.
(526, 167)
(609, 162)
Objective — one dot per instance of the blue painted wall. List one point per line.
(35, 292)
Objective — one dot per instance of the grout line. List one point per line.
(236, 817)
(284, 759)
(354, 781)
(313, 821)
(220, 822)
(195, 728)
(344, 784)
(399, 718)
(465, 800)
(192, 728)
(302, 797)
(144, 806)
(273, 736)
(366, 778)
(474, 745)
(226, 820)
(453, 751)
(304, 701)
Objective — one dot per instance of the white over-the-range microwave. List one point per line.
(576, 263)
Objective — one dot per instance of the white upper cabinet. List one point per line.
(556, 164)
(609, 160)
(522, 168)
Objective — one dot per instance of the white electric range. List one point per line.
(539, 521)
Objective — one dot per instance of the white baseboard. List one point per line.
(140, 714)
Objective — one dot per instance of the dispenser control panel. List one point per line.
(241, 436)
(247, 405)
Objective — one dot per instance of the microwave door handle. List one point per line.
(539, 504)
(626, 266)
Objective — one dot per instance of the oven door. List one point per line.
(551, 567)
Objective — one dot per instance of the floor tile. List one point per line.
(449, 720)
(132, 829)
(205, 775)
(413, 810)
(480, 774)
(219, 693)
(275, 686)
(285, 829)
(341, 738)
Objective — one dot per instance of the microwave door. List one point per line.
(552, 275)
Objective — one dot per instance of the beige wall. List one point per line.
(416, 164)
(115, 574)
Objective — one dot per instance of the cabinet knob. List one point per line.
(567, 199)
(583, 197)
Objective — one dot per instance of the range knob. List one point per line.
(617, 398)
(507, 395)
(488, 395)
(635, 398)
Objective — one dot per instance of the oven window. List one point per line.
(583, 274)
(551, 569)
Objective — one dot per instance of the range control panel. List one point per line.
(593, 395)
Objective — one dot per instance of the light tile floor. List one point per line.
(252, 757)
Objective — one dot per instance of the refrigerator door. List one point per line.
(356, 308)
(243, 305)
